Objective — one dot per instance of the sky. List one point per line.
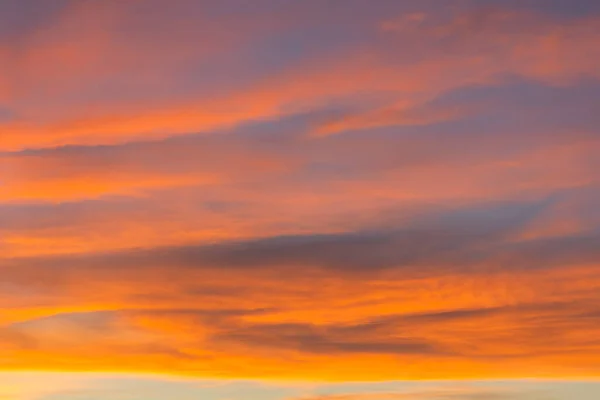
(299, 200)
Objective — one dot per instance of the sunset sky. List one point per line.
(299, 199)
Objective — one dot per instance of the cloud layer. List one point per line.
(291, 190)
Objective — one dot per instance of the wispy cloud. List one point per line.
(352, 191)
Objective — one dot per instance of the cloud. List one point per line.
(312, 339)
(268, 180)
(473, 47)
(319, 306)
(163, 103)
(284, 190)
(434, 239)
(432, 395)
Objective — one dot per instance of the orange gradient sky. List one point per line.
(315, 191)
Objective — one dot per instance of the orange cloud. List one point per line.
(72, 175)
(409, 198)
(251, 309)
(494, 342)
(483, 45)
(441, 394)
(545, 49)
(101, 199)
